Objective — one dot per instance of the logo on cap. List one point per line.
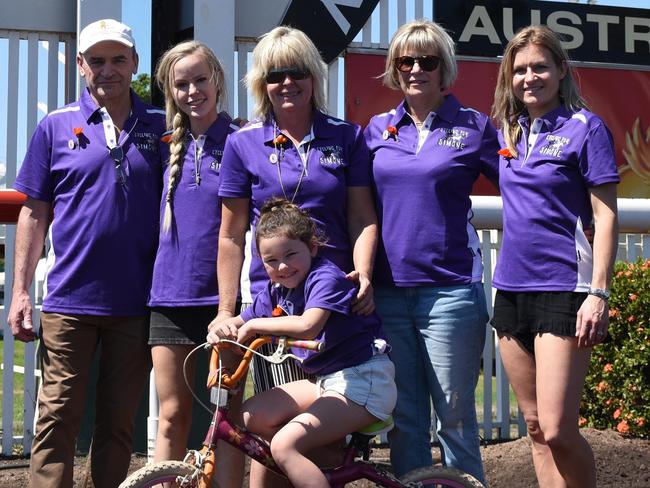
(105, 30)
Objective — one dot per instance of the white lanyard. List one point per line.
(114, 149)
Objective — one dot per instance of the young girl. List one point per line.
(354, 377)
(184, 295)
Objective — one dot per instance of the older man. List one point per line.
(92, 171)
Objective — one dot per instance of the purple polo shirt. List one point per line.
(422, 196)
(546, 202)
(348, 338)
(185, 273)
(338, 159)
(103, 234)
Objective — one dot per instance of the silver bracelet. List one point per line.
(599, 292)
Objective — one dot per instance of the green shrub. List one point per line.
(617, 391)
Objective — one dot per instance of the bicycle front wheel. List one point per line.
(440, 477)
(167, 474)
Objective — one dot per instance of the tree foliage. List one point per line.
(142, 86)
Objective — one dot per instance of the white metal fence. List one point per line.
(30, 56)
(497, 412)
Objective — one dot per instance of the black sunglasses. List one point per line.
(278, 75)
(427, 63)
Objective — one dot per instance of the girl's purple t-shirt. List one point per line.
(546, 201)
(348, 338)
(185, 272)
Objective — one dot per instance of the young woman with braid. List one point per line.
(184, 295)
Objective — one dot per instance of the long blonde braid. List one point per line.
(177, 144)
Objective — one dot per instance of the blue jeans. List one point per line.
(437, 336)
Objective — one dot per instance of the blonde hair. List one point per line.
(177, 120)
(421, 36)
(507, 107)
(280, 48)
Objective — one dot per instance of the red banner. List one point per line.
(620, 96)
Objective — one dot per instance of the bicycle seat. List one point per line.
(378, 427)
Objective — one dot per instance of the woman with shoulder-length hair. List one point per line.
(426, 155)
(184, 293)
(295, 151)
(557, 172)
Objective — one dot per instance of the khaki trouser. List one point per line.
(69, 343)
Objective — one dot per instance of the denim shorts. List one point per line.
(370, 384)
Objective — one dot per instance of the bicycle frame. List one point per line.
(350, 470)
(221, 428)
(197, 469)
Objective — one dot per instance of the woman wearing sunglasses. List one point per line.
(426, 155)
(295, 151)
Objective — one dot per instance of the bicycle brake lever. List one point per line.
(279, 356)
(276, 358)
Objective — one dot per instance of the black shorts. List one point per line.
(180, 325)
(523, 315)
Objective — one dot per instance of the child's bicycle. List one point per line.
(197, 470)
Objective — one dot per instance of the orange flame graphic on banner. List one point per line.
(635, 175)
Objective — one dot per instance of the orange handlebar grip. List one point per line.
(230, 381)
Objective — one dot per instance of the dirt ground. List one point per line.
(621, 463)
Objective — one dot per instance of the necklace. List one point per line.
(198, 157)
(277, 157)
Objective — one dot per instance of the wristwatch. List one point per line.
(599, 292)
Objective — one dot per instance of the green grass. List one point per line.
(19, 360)
(480, 396)
(479, 403)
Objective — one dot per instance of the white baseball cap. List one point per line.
(105, 30)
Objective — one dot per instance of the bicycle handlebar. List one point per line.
(230, 381)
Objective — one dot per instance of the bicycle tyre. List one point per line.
(438, 476)
(156, 474)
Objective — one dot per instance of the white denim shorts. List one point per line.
(370, 384)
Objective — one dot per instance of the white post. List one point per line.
(152, 419)
(214, 25)
(91, 10)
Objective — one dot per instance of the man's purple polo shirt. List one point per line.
(104, 234)
(348, 338)
(546, 202)
(338, 159)
(185, 273)
(422, 196)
